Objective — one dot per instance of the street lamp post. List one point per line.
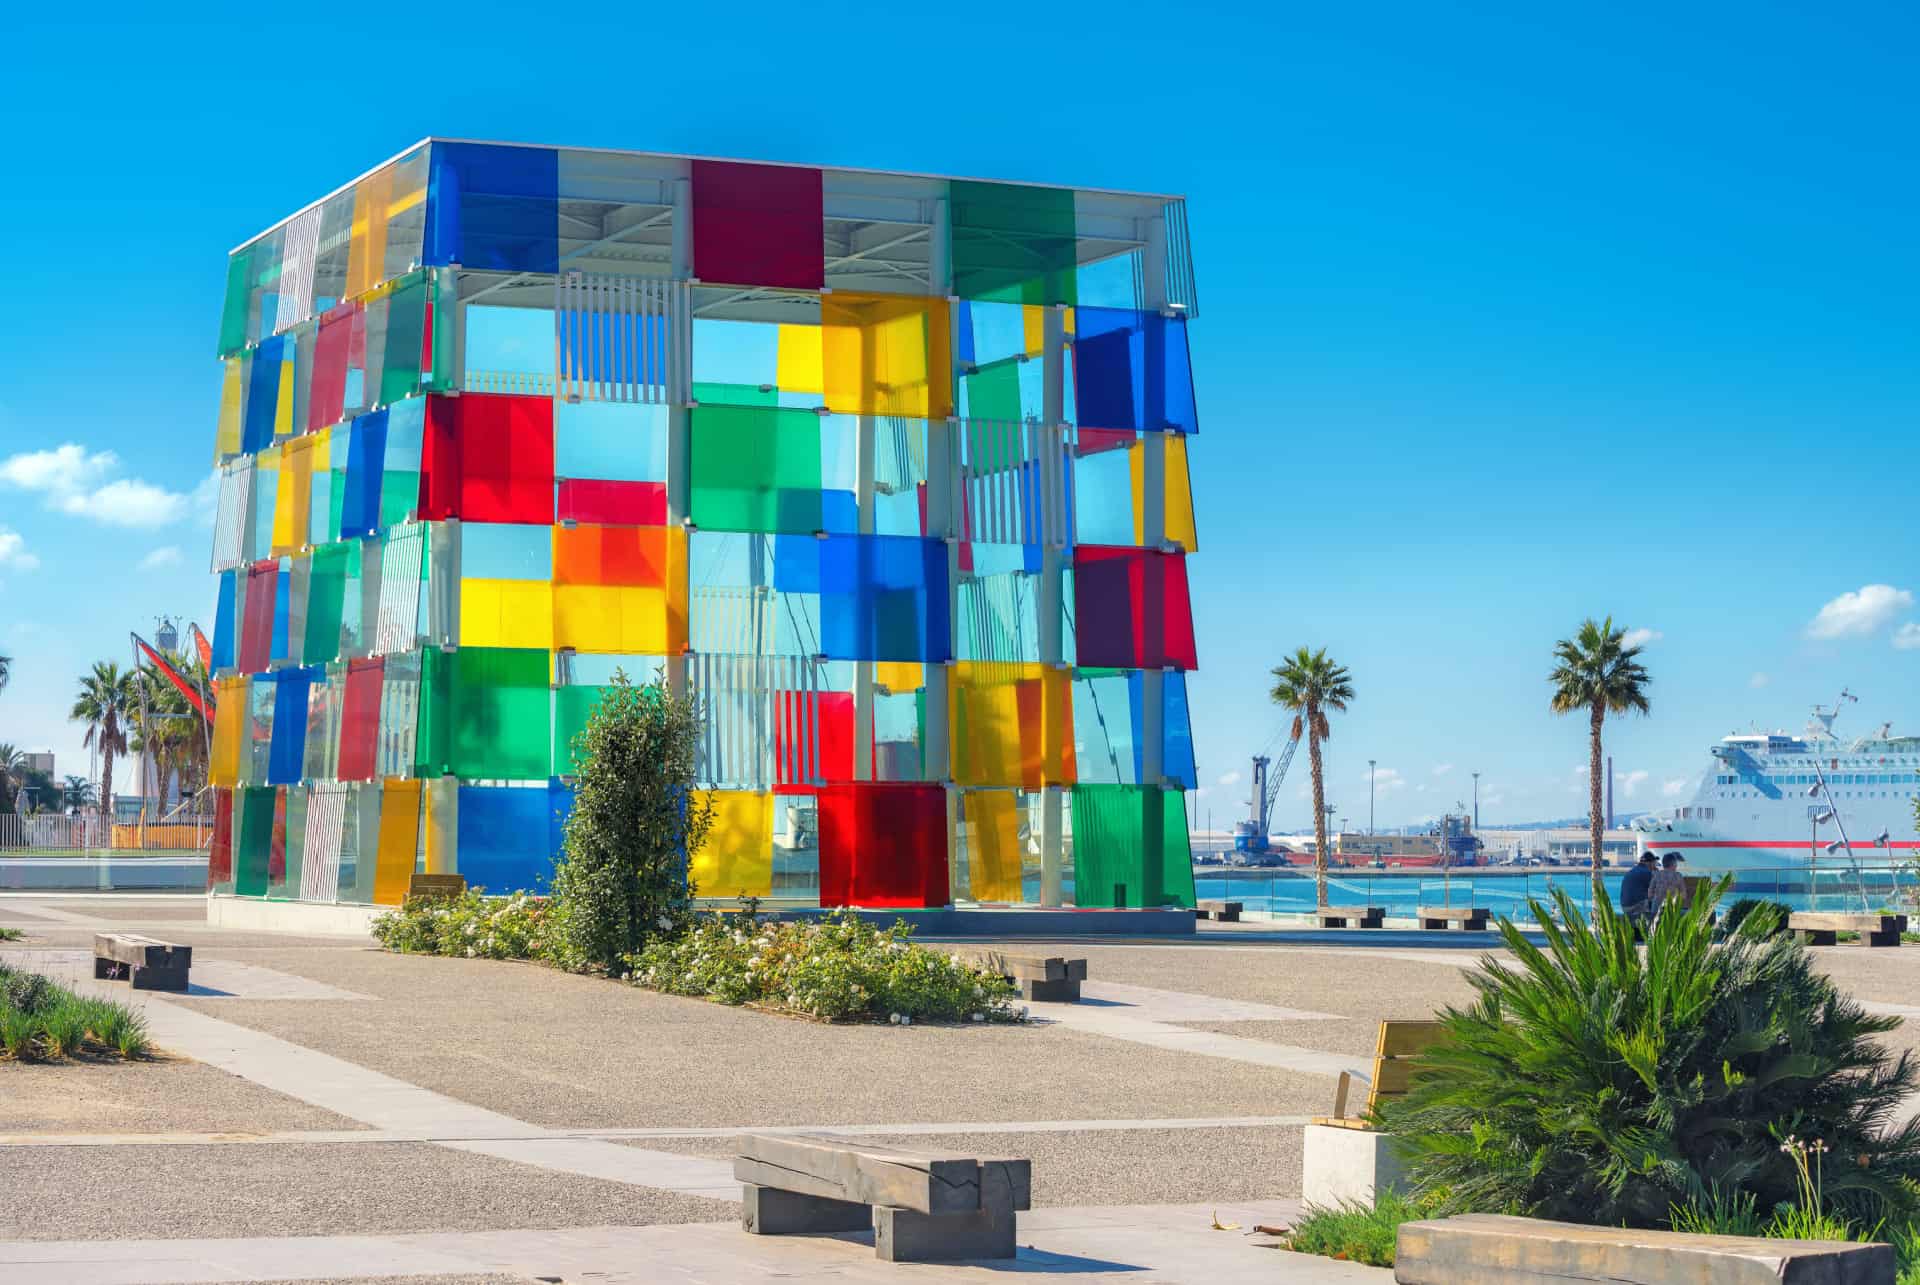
(1370, 763)
(1476, 803)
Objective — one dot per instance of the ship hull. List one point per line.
(1706, 855)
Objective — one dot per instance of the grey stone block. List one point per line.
(1060, 992)
(902, 1236)
(769, 1211)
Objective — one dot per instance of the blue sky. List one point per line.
(1510, 315)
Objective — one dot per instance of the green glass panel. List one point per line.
(500, 725)
(433, 731)
(572, 707)
(233, 317)
(1013, 244)
(446, 293)
(252, 839)
(406, 330)
(289, 884)
(735, 394)
(1130, 847)
(756, 468)
(326, 600)
(993, 391)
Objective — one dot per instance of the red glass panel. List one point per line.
(883, 843)
(327, 399)
(360, 719)
(1131, 609)
(488, 458)
(631, 503)
(277, 854)
(758, 225)
(813, 737)
(256, 630)
(220, 854)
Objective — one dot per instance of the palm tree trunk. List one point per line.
(106, 778)
(1319, 814)
(1596, 820)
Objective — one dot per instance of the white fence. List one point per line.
(52, 833)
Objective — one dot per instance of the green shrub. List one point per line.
(1741, 911)
(1354, 1232)
(838, 968)
(39, 1018)
(19, 1033)
(10, 934)
(1594, 1082)
(28, 992)
(471, 925)
(63, 1028)
(622, 874)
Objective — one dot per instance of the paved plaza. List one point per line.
(323, 1110)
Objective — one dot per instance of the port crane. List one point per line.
(1251, 835)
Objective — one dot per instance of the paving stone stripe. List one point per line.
(1119, 1024)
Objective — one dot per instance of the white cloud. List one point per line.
(1907, 637)
(1860, 612)
(1229, 778)
(13, 551)
(75, 481)
(166, 555)
(1675, 788)
(1641, 637)
(206, 499)
(1442, 769)
(1629, 783)
(1388, 778)
(1759, 679)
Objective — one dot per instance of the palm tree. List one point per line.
(108, 697)
(12, 768)
(79, 792)
(1310, 684)
(1599, 673)
(6, 671)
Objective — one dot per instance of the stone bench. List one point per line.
(923, 1206)
(149, 964)
(1494, 1249)
(1047, 978)
(1471, 918)
(1816, 929)
(1226, 912)
(1351, 916)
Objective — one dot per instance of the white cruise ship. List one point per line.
(1788, 801)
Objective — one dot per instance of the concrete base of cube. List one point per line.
(902, 1236)
(308, 918)
(769, 1211)
(1348, 1166)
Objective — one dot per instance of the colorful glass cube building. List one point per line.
(890, 470)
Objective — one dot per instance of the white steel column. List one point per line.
(1053, 407)
(1153, 518)
(679, 420)
(944, 523)
(863, 669)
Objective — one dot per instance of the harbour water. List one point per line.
(1892, 886)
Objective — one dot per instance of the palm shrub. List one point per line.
(1593, 1082)
(622, 874)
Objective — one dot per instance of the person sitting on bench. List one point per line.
(1634, 889)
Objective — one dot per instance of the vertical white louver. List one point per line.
(621, 339)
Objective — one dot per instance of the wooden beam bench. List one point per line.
(1817, 929)
(150, 965)
(1495, 1249)
(1352, 916)
(923, 1206)
(1471, 918)
(1226, 912)
(1046, 978)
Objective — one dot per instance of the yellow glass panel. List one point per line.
(226, 438)
(367, 251)
(610, 618)
(1011, 724)
(737, 858)
(993, 845)
(506, 613)
(293, 496)
(899, 676)
(229, 729)
(886, 355)
(1051, 761)
(1178, 513)
(399, 847)
(797, 364)
(283, 408)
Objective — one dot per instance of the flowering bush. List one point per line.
(472, 924)
(838, 968)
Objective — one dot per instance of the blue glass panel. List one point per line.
(263, 395)
(366, 462)
(964, 333)
(286, 757)
(1131, 370)
(1176, 728)
(493, 208)
(506, 838)
(883, 598)
(282, 603)
(560, 807)
(225, 623)
(839, 512)
(796, 563)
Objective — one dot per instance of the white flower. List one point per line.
(905, 1020)
(665, 922)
